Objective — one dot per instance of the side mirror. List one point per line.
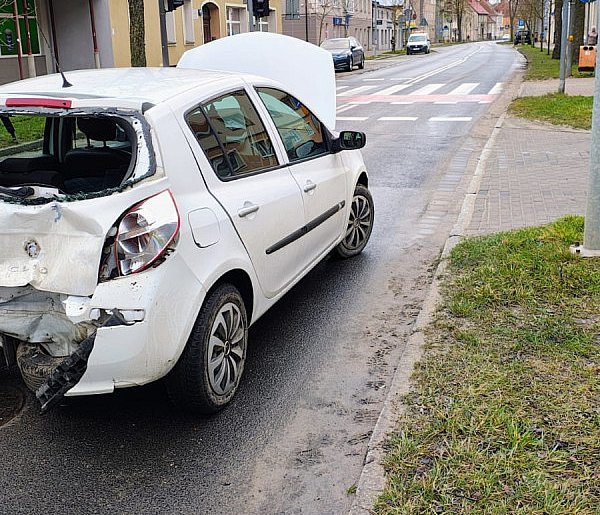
(349, 140)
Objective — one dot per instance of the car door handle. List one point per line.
(309, 186)
(248, 209)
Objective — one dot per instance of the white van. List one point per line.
(418, 42)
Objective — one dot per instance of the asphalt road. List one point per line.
(294, 439)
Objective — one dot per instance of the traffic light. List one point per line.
(260, 8)
(173, 4)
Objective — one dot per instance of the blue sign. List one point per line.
(521, 24)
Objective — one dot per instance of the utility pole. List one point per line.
(306, 21)
(563, 45)
(163, 33)
(591, 232)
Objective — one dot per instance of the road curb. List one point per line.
(372, 479)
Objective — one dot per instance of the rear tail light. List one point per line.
(145, 233)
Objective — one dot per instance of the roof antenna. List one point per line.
(66, 83)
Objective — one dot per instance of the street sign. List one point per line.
(521, 24)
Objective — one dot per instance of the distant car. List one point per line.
(506, 37)
(523, 36)
(346, 53)
(418, 42)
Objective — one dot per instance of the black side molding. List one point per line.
(297, 234)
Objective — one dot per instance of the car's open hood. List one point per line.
(303, 69)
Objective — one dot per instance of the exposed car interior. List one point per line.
(82, 154)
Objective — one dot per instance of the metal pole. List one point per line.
(569, 64)
(306, 21)
(563, 45)
(18, 40)
(163, 33)
(250, 5)
(94, 38)
(591, 232)
(30, 59)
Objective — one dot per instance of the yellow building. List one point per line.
(82, 34)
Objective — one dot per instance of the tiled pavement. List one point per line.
(534, 173)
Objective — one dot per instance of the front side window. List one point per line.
(300, 130)
(232, 135)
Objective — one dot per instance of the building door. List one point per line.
(206, 24)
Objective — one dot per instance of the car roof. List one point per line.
(137, 85)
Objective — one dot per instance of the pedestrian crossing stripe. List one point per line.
(405, 118)
(429, 93)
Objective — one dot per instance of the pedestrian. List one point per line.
(592, 38)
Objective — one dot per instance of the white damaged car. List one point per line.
(152, 215)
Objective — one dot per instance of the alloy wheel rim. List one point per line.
(359, 223)
(226, 349)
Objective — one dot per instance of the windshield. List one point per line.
(335, 44)
(417, 38)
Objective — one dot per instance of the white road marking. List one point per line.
(464, 89)
(450, 119)
(397, 118)
(445, 102)
(402, 103)
(391, 90)
(496, 89)
(371, 80)
(360, 102)
(355, 91)
(352, 118)
(426, 90)
(345, 108)
(338, 88)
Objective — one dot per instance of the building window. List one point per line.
(292, 9)
(8, 30)
(234, 25)
(188, 23)
(170, 22)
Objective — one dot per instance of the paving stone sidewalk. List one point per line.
(535, 172)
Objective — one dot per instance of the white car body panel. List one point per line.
(276, 57)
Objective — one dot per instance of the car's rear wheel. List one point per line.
(361, 65)
(360, 223)
(208, 372)
(350, 64)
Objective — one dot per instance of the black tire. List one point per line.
(360, 223)
(407, 51)
(350, 64)
(361, 65)
(35, 364)
(192, 385)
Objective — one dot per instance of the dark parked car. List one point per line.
(523, 36)
(346, 52)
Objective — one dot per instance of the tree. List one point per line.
(513, 7)
(323, 10)
(457, 8)
(137, 33)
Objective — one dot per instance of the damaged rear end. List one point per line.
(82, 206)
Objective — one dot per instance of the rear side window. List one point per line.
(232, 135)
(300, 130)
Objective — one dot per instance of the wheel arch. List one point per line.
(363, 179)
(241, 280)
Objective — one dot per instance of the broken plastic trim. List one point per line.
(119, 113)
(66, 375)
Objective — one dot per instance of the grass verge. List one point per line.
(504, 416)
(556, 108)
(542, 66)
(27, 128)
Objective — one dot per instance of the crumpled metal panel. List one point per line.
(39, 317)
